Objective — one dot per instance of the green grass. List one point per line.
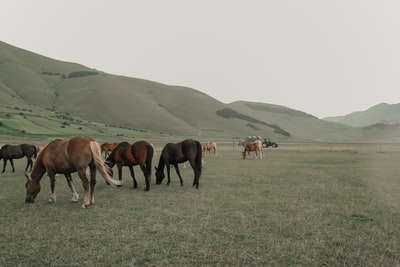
(303, 205)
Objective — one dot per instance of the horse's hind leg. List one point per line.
(196, 172)
(12, 165)
(178, 172)
(75, 196)
(92, 182)
(133, 176)
(29, 162)
(85, 184)
(146, 177)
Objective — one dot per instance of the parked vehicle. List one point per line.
(267, 142)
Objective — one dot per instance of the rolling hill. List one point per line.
(382, 113)
(51, 97)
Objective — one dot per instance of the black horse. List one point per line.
(10, 152)
(172, 154)
(139, 153)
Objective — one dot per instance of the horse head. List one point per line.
(159, 175)
(32, 189)
(109, 169)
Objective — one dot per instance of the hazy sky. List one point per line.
(324, 57)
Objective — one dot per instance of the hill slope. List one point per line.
(29, 80)
(381, 113)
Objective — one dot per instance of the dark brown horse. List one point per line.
(139, 153)
(107, 148)
(66, 157)
(172, 154)
(11, 152)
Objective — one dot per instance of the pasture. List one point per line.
(303, 205)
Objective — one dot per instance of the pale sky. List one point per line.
(323, 57)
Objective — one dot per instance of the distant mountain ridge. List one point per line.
(382, 113)
(34, 88)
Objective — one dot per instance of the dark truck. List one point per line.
(267, 142)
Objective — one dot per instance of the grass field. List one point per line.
(304, 205)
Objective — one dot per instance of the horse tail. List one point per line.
(149, 159)
(101, 166)
(198, 158)
(34, 152)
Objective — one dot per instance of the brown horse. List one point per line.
(10, 152)
(107, 148)
(210, 147)
(139, 153)
(172, 154)
(255, 146)
(66, 157)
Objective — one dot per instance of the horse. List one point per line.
(107, 148)
(139, 153)
(11, 152)
(255, 146)
(210, 147)
(66, 157)
(172, 154)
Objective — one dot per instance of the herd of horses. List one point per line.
(80, 153)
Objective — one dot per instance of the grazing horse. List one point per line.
(10, 152)
(210, 147)
(255, 146)
(107, 148)
(66, 157)
(172, 154)
(139, 153)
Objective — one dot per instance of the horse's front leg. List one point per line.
(178, 172)
(4, 165)
(75, 196)
(119, 167)
(53, 197)
(168, 172)
(133, 176)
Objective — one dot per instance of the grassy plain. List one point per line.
(304, 205)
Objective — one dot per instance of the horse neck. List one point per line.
(161, 164)
(110, 161)
(38, 170)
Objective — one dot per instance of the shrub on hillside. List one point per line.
(77, 74)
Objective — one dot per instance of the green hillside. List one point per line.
(40, 96)
(381, 113)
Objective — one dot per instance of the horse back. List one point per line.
(67, 155)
